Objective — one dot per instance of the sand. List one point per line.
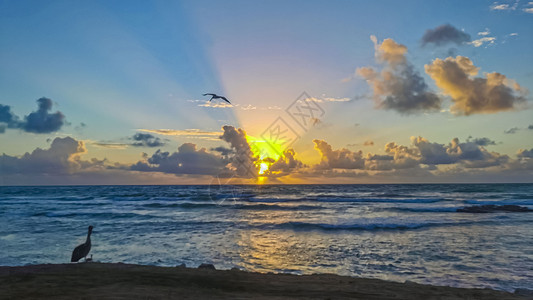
(124, 281)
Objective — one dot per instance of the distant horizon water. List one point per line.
(394, 232)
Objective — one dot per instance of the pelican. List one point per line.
(83, 249)
(215, 96)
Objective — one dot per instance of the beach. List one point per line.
(128, 281)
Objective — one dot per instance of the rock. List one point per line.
(207, 266)
(235, 269)
(493, 208)
(181, 266)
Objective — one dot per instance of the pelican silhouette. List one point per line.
(83, 250)
(215, 96)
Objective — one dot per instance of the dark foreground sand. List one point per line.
(122, 281)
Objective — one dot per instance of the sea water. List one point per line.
(392, 232)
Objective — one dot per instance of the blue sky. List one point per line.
(116, 68)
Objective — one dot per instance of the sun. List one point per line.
(267, 153)
(263, 167)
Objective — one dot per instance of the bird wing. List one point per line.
(76, 254)
(210, 95)
(224, 98)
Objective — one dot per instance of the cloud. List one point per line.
(445, 34)
(524, 153)
(146, 140)
(189, 133)
(480, 42)
(484, 141)
(328, 99)
(421, 154)
(474, 95)
(530, 127)
(244, 161)
(187, 160)
(8, 119)
(286, 164)
(511, 130)
(119, 146)
(338, 159)
(216, 105)
(504, 6)
(496, 6)
(39, 121)
(398, 86)
(484, 33)
(60, 158)
(249, 107)
(529, 10)
(223, 150)
(368, 143)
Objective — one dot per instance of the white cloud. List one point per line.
(479, 42)
(504, 6)
(496, 6)
(484, 33)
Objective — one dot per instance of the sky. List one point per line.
(111, 92)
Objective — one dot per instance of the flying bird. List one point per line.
(215, 96)
(82, 250)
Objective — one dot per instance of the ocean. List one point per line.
(393, 232)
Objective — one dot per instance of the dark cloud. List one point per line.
(286, 164)
(243, 163)
(40, 121)
(223, 150)
(469, 154)
(530, 127)
(445, 34)
(524, 153)
(338, 159)
(187, 160)
(398, 86)
(8, 119)
(58, 159)
(421, 154)
(80, 127)
(511, 130)
(146, 140)
(484, 141)
(474, 95)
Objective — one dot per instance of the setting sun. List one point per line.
(263, 168)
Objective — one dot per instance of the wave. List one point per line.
(103, 215)
(501, 202)
(374, 226)
(425, 209)
(350, 200)
(229, 204)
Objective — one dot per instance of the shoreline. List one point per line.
(95, 280)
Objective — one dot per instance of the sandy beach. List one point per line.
(125, 281)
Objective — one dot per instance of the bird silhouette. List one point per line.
(215, 96)
(82, 250)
